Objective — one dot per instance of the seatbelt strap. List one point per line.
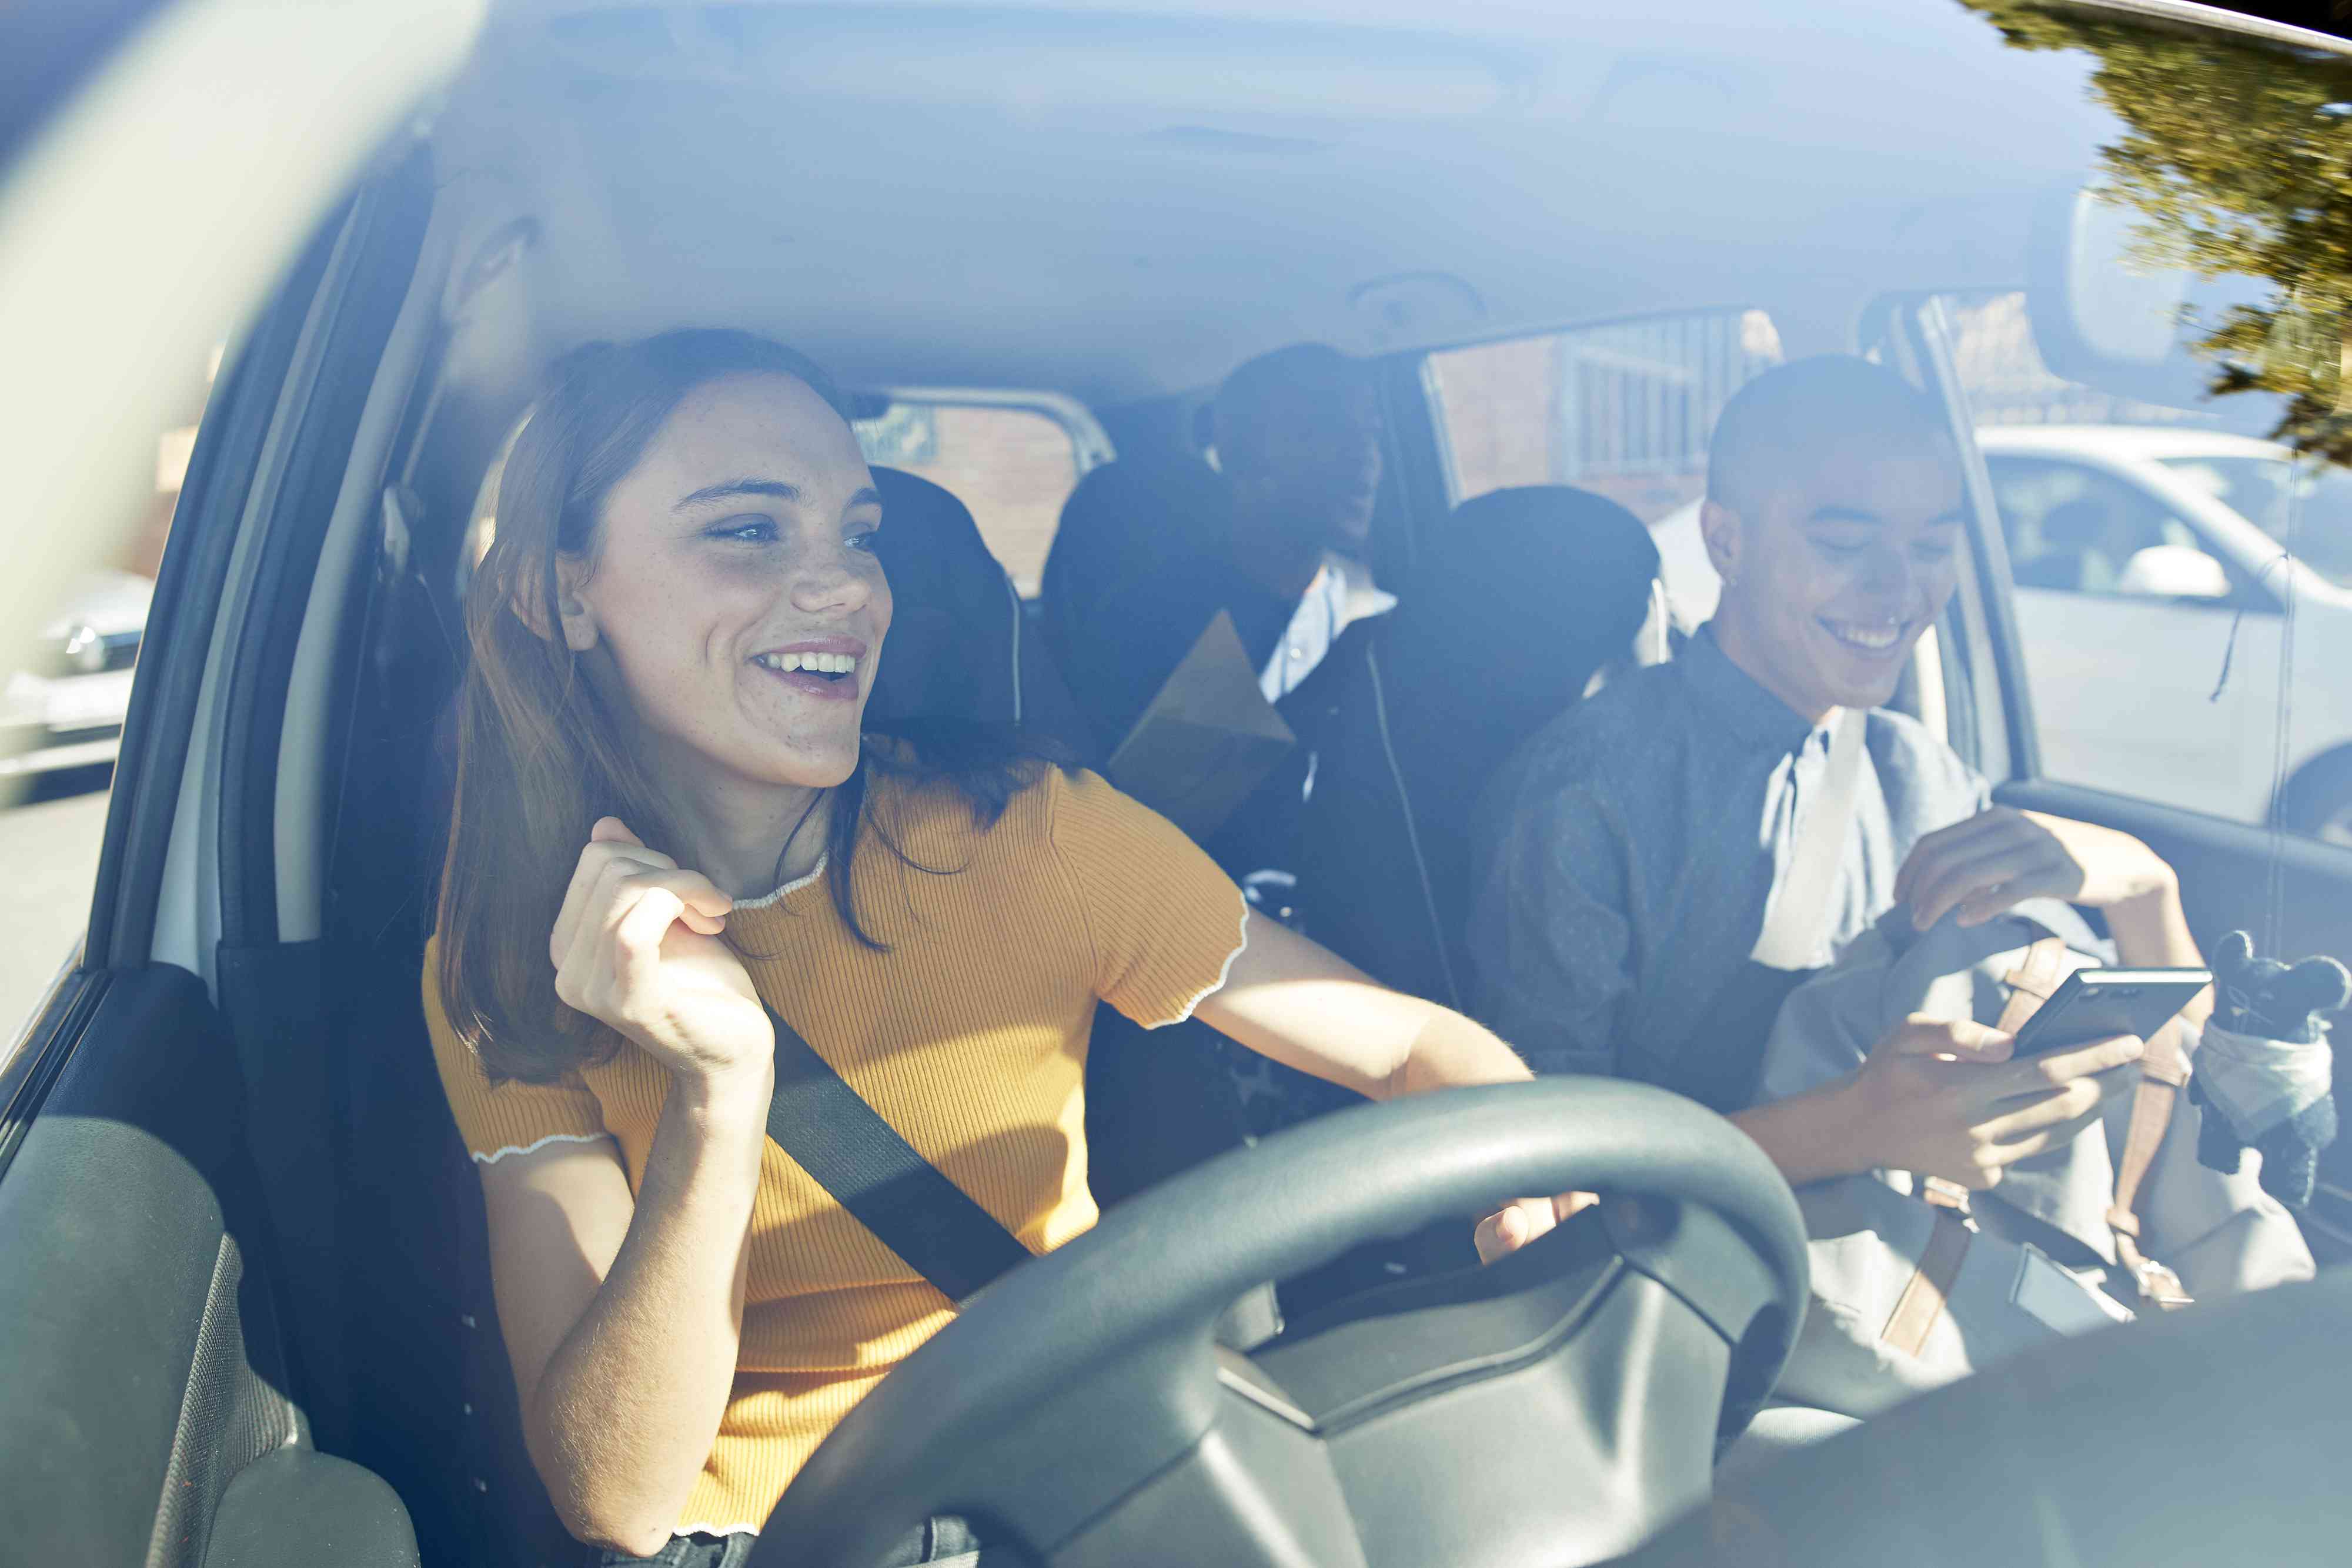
(2163, 1070)
(1791, 937)
(905, 1200)
(1930, 1286)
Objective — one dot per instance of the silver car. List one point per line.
(65, 708)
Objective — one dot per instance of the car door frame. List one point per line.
(128, 1085)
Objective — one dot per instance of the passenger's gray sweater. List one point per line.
(1630, 849)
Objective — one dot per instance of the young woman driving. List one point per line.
(669, 820)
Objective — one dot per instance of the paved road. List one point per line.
(49, 857)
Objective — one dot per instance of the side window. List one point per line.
(2073, 529)
(2145, 545)
(1013, 464)
(1624, 409)
(62, 709)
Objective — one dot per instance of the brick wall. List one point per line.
(1501, 406)
(1013, 468)
(1505, 419)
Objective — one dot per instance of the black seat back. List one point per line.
(1125, 520)
(960, 645)
(1531, 590)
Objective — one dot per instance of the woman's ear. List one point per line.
(576, 619)
(1720, 526)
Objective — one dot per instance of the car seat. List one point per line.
(1125, 520)
(960, 647)
(437, 1408)
(1531, 590)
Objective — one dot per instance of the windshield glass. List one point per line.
(2308, 508)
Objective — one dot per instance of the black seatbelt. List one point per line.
(871, 1171)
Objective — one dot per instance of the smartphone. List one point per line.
(2097, 1004)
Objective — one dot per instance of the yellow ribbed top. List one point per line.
(969, 1037)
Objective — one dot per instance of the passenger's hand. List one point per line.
(1515, 1225)
(1987, 864)
(636, 945)
(1943, 1099)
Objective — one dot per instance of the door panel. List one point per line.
(142, 1357)
(2126, 688)
(2225, 883)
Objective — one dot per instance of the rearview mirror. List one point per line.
(2173, 571)
(2125, 314)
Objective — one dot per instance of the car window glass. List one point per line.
(2274, 494)
(2073, 529)
(1624, 409)
(61, 711)
(2144, 543)
(1013, 467)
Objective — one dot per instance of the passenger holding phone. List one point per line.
(1637, 846)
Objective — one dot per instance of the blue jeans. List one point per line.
(947, 1542)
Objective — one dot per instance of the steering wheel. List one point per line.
(1081, 1405)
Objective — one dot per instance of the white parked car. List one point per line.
(2137, 551)
(66, 709)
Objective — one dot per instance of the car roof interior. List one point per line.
(1122, 204)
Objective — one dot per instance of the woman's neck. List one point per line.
(752, 839)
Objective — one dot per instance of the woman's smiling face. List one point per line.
(734, 585)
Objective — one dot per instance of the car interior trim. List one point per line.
(30, 1070)
(2010, 748)
(188, 898)
(323, 458)
(160, 776)
(271, 846)
(1238, 1374)
(2189, 16)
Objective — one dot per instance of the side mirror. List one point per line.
(2105, 314)
(2173, 571)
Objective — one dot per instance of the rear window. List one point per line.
(1625, 408)
(1013, 467)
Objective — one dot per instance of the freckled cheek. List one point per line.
(730, 602)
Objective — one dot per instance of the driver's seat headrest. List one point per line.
(1541, 585)
(959, 647)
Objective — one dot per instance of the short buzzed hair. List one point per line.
(1777, 426)
(1258, 389)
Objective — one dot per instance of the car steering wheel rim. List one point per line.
(1129, 1310)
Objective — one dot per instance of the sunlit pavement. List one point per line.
(48, 861)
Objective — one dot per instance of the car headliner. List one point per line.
(1118, 203)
